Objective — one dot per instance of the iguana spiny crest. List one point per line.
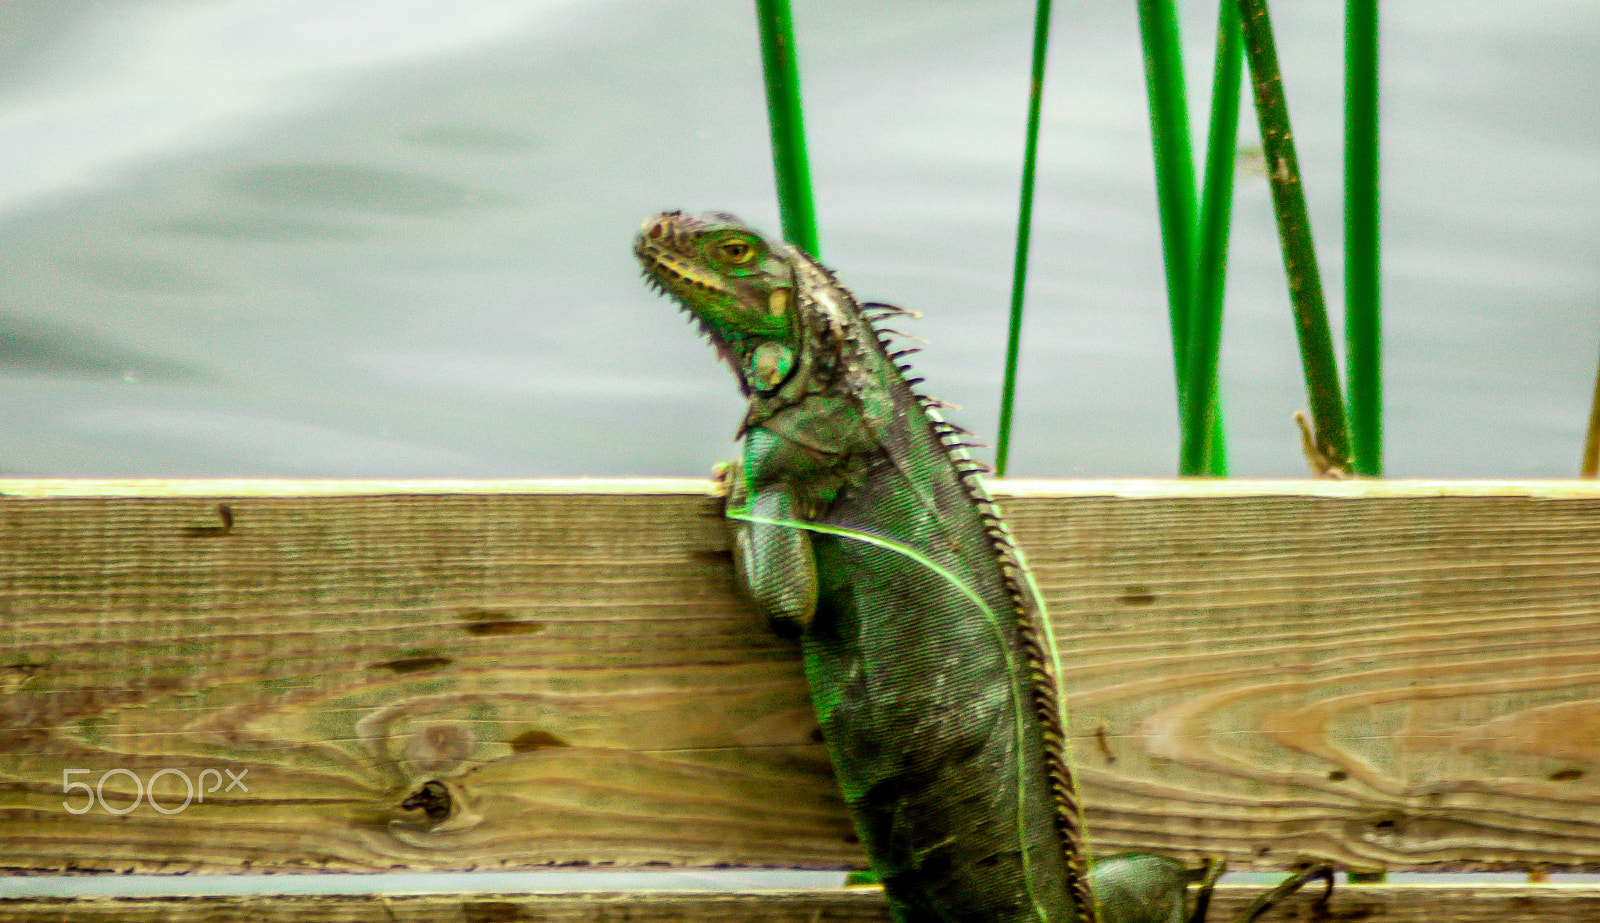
(798, 342)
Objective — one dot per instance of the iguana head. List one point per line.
(736, 284)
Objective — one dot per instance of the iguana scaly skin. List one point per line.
(861, 525)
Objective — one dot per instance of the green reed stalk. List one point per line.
(1019, 271)
(1294, 232)
(1591, 445)
(789, 163)
(1202, 449)
(1174, 163)
(1200, 420)
(1363, 327)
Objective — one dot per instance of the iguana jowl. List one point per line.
(930, 662)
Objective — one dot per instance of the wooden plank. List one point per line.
(459, 675)
(1365, 903)
(1382, 676)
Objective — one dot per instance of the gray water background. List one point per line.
(390, 238)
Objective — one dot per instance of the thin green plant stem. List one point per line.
(1591, 445)
(1294, 233)
(789, 164)
(1174, 165)
(1363, 319)
(1019, 272)
(1175, 200)
(1203, 449)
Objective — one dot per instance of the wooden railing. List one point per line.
(283, 676)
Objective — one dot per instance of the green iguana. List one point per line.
(860, 525)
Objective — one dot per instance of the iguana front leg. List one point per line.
(774, 564)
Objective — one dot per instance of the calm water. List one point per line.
(382, 238)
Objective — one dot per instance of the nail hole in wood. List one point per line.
(224, 516)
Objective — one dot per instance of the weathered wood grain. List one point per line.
(1377, 677)
(1348, 904)
(509, 675)
(574, 675)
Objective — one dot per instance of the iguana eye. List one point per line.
(736, 251)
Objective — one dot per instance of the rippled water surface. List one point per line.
(391, 239)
